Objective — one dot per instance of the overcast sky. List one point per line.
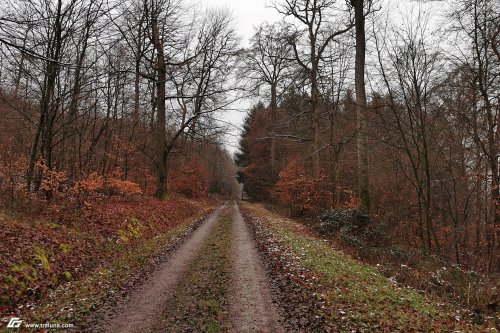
(248, 14)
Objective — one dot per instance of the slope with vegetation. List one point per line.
(323, 289)
(64, 261)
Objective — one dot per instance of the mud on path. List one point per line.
(139, 311)
(251, 305)
(173, 294)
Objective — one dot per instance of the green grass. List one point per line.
(200, 304)
(73, 301)
(358, 296)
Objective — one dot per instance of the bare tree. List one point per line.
(477, 23)
(267, 62)
(317, 17)
(410, 79)
(361, 110)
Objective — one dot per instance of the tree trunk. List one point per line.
(425, 238)
(135, 115)
(71, 129)
(361, 110)
(274, 107)
(17, 82)
(161, 153)
(315, 123)
(34, 150)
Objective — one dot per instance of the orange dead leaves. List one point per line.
(191, 180)
(111, 185)
(92, 183)
(299, 191)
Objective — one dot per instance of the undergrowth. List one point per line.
(370, 241)
(343, 294)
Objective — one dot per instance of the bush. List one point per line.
(299, 191)
(355, 221)
(118, 186)
(353, 227)
(95, 183)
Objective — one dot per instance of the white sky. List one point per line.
(248, 14)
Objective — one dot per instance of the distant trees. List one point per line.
(317, 27)
(253, 155)
(297, 190)
(268, 63)
(114, 89)
(428, 124)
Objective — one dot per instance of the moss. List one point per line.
(68, 276)
(132, 231)
(365, 298)
(64, 248)
(43, 257)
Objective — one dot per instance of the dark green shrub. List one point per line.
(355, 221)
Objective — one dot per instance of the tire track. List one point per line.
(251, 305)
(141, 309)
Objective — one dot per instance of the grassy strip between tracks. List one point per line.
(201, 302)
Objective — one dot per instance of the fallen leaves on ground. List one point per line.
(63, 244)
(324, 290)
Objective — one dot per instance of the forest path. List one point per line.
(139, 311)
(251, 307)
(170, 297)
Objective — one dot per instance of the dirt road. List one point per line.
(247, 305)
(251, 306)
